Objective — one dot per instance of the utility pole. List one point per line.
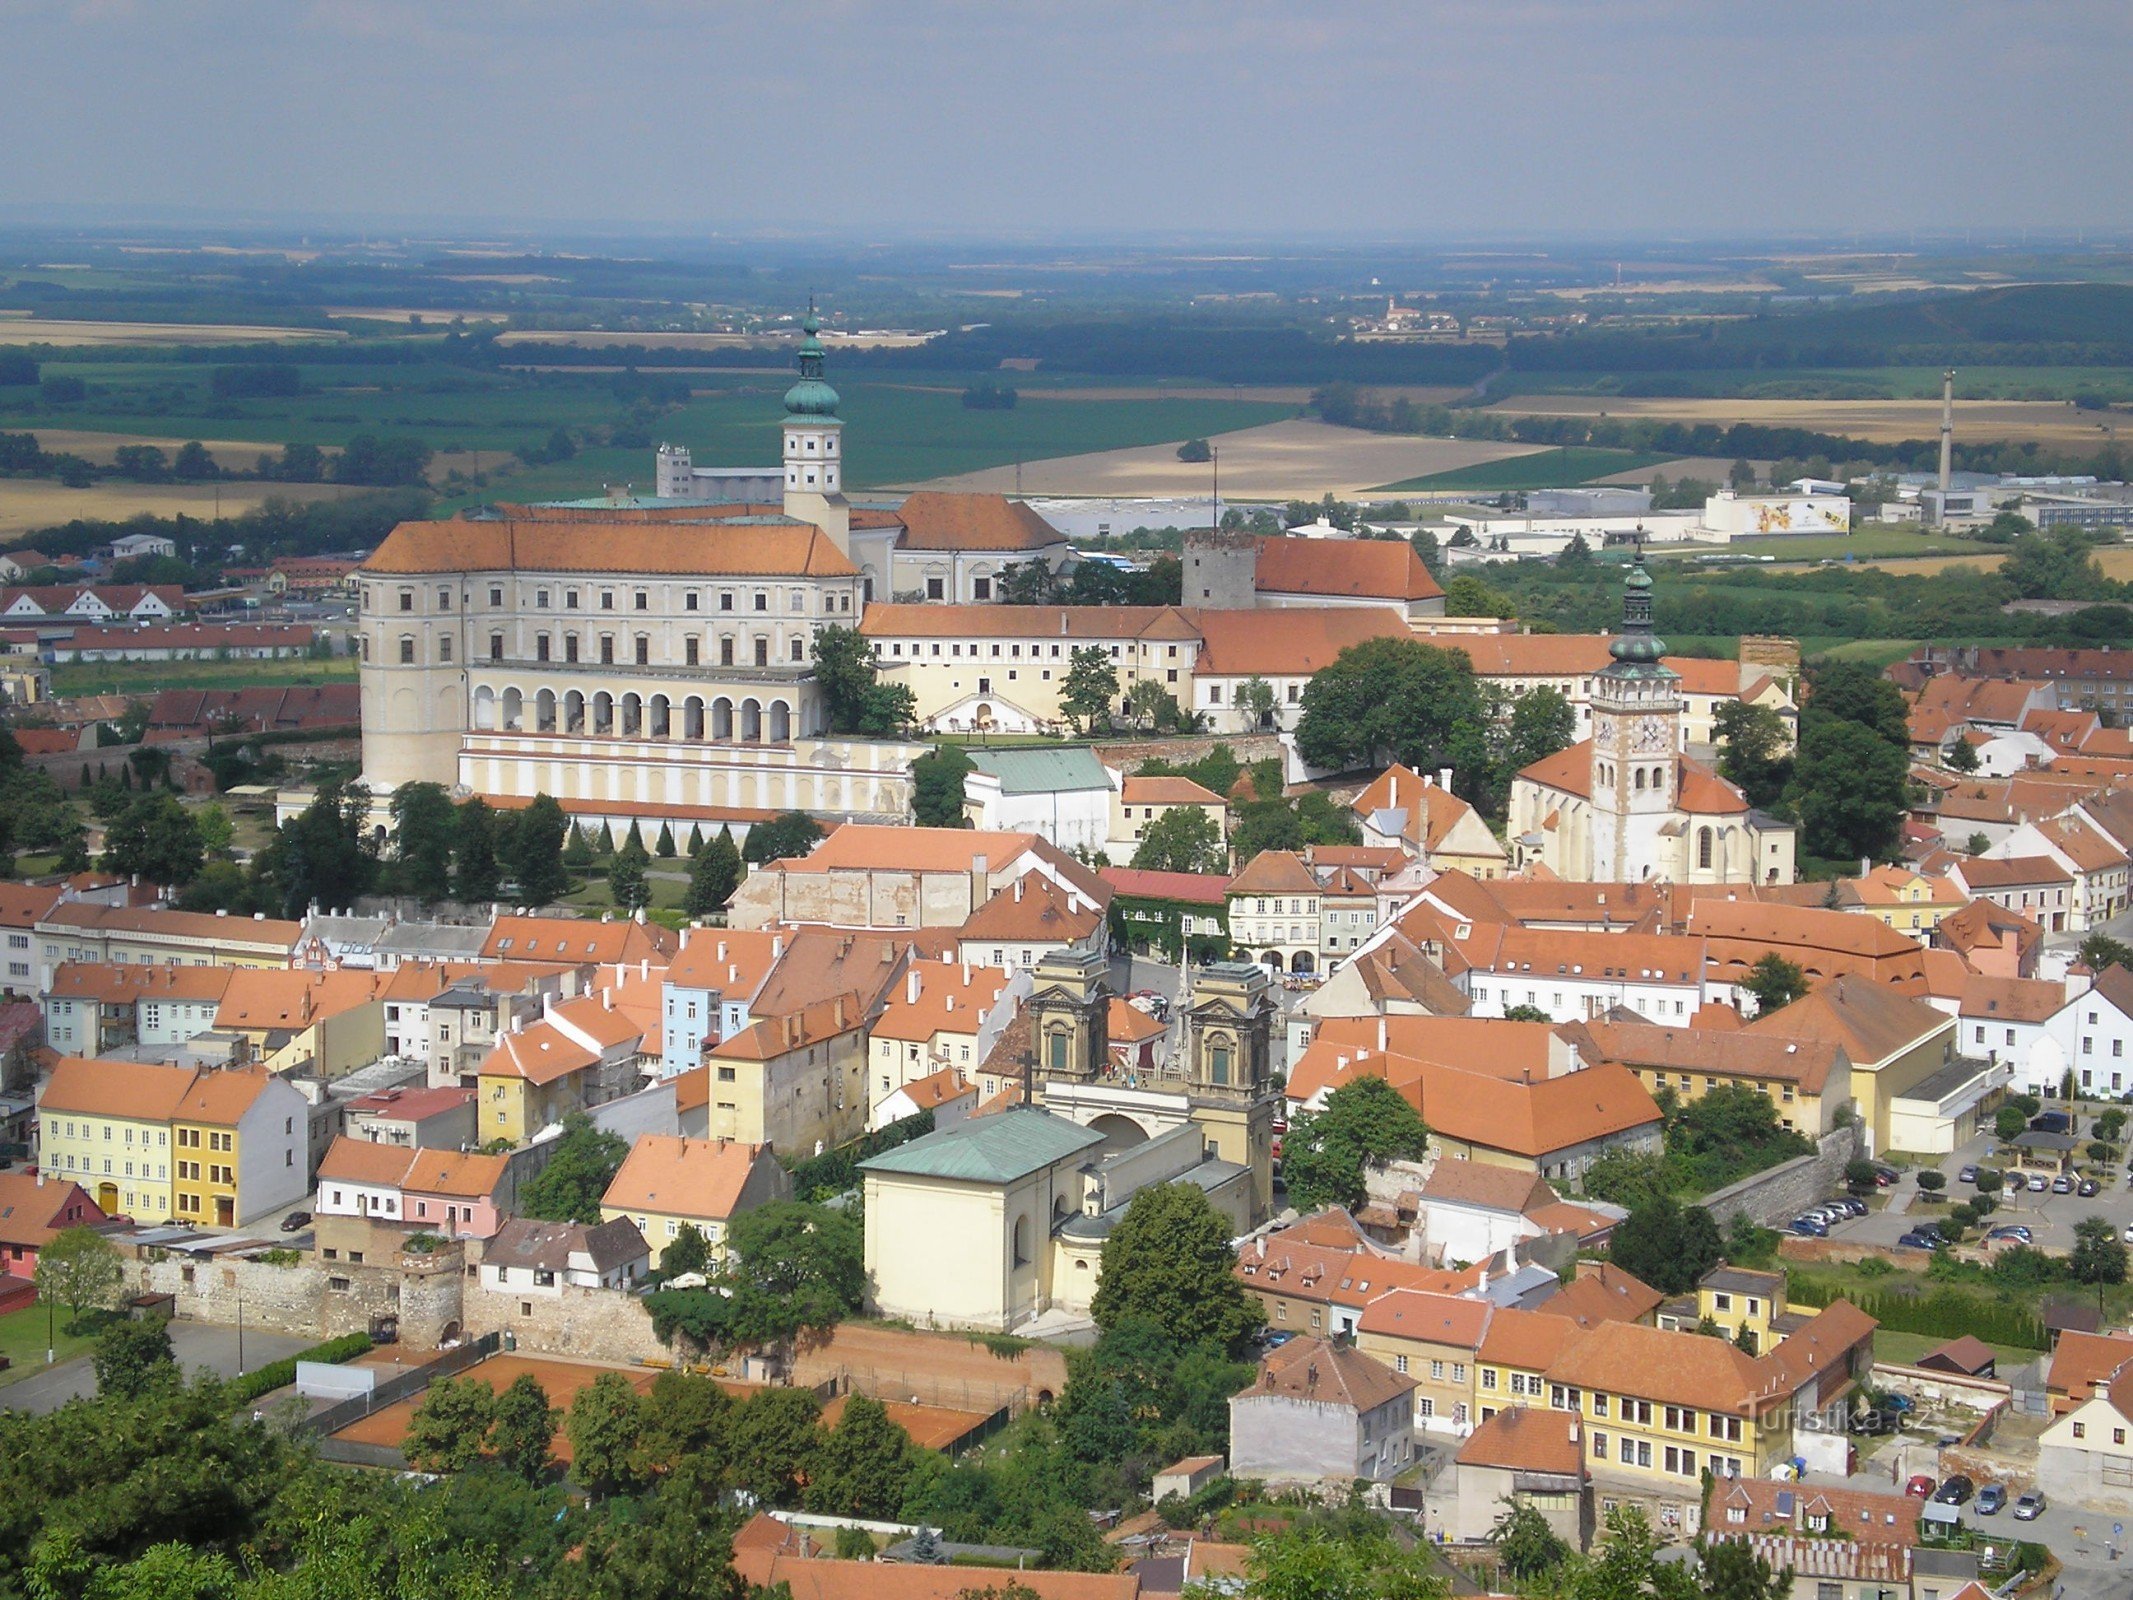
(1214, 458)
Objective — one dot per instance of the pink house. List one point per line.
(33, 1208)
(453, 1193)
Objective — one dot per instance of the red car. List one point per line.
(1920, 1486)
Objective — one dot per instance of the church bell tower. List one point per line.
(1636, 744)
(1230, 1070)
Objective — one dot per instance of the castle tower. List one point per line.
(1070, 1018)
(1229, 1068)
(1636, 744)
(814, 445)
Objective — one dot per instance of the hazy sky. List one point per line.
(1398, 119)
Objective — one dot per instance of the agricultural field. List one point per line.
(1295, 459)
(1562, 467)
(15, 328)
(1836, 383)
(30, 503)
(1868, 543)
(147, 677)
(2050, 422)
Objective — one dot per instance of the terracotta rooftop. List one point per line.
(1274, 872)
(621, 547)
(1322, 1371)
(1527, 1439)
(1871, 1021)
(684, 1177)
(939, 520)
(1387, 569)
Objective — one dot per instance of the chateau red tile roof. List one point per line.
(1435, 1318)
(597, 543)
(1871, 1021)
(1386, 569)
(684, 1177)
(1035, 908)
(938, 520)
(1165, 791)
(1274, 872)
(1602, 1292)
(1698, 790)
(1328, 1373)
(1731, 1053)
(1530, 655)
(1288, 642)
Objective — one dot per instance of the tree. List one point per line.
(785, 837)
(425, 829)
(1265, 825)
(859, 1468)
(606, 1426)
(156, 838)
(1146, 700)
(449, 1428)
(1091, 685)
(1255, 702)
(1541, 722)
(532, 852)
(845, 669)
(1731, 1570)
(1961, 756)
(664, 846)
(216, 830)
(628, 877)
(1859, 1176)
(324, 856)
(1666, 1245)
(1182, 839)
(477, 873)
(1775, 982)
(2008, 1123)
(1931, 1180)
(1169, 1263)
(1195, 450)
(134, 1358)
(1755, 750)
(686, 1252)
(2099, 952)
(1849, 691)
(792, 1266)
(1325, 1152)
(1524, 1013)
(1851, 787)
(937, 787)
(2099, 1255)
(1425, 546)
(713, 876)
(81, 1270)
(1525, 1544)
(523, 1428)
(1399, 700)
(193, 463)
(582, 1163)
(774, 1440)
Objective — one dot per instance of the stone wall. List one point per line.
(1773, 1198)
(313, 1299)
(1128, 754)
(591, 1324)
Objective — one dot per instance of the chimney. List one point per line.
(1444, 777)
(1018, 891)
(607, 999)
(722, 949)
(777, 945)
(951, 1001)
(1382, 1042)
(911, 987)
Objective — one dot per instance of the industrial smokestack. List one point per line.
(1947, 434)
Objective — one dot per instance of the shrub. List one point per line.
(280, 1374)
(1932, 1180)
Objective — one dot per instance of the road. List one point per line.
(196, 1344)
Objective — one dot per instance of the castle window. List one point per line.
(496, 597)
(496, 647)
(444, 647)
(570, 647)
(407, 649)
(691, 649)
(1703, 847)
(799, 649)
(1640, 778)
(1057, 1041)
(643, 600)
(725, 652)
(690, 601)
(1218, 1063)
(725, 600)
(540, 599)
(570, 599)
(935, 590)
(607, 600)
(444, 599)
(762, 600)
(762, 651)
(407, 599)
(607, 649)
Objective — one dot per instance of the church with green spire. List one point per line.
(1630, 805)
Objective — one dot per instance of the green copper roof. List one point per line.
(1637, 645)
(1041, 771)
(996, 1149)
(811, 396)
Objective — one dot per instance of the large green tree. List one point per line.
(582, 1162)
(1666, 1245)
(1324, 1152)
(532, 852)
(1755, 751)
(156, 839)
(1090, 689)
(774, 1441)
(1397, 700)
(477, 872)
(629, 876)
(324, 856)
(1775, 982)
(861, 1466)
(134, 1357)
(425, 831)
(1851, 789)
(858, 702)
(1182, 839)
(1850, 691)
(606, 1427)
(713, 876)
(79, 1269)
(1537, 724)
(1168, 1262)
(522, 1428)
(937, 787)
(786, 836)
(451, 1426)
(2099, 1255)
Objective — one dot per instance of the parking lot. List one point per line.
(2049, 1217)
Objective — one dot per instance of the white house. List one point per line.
(541, 1259)
(2092, 1033)
(129, 546)
(1062, 794)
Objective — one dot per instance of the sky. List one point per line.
(1081, 118)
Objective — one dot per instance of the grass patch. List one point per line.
(1906, 1348)
(146, 677)
(22, 1341)
(1564, 467)
(1865, 544)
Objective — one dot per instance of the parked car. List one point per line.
(1884, 1177)
(2038, 1183)
(2087, 1188)
(1921, 1486)
(2052, 1122)
(1850, 1208)
(1990, 1500)
(295, 1220)
(2128, 1235)
(1954, 1490)
(1919, 1241)
(1967, 1175)
(1810, 1227)
(2013, 1233)
(2027, 1507)
(2062, 1184)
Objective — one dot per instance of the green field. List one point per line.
(1868, 544)
(22, 1341)
(1564, 467)
(146, 677)
(1827, 383)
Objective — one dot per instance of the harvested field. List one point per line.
(101, 449)
(1709, 468)
(26, 504)
(1885, 421)
(1293, 460)
(16, 328)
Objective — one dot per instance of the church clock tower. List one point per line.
(1636, 745)
(814, 445)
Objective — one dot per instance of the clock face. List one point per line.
(1649, 735)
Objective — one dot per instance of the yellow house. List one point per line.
(1434, 1339)
(1517, 1353)
(155, 1142)
(323, 1024)
(1895, 1045)
(1138, 803)
(1904, 898)
(666, 1182)
(106, 1126)
(153, 937)
(580, 1054)
(1663, 1407)
(240, 1142)
(1807, 1080)
(1732, 1298)
(796, 1082)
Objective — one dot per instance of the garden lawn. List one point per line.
(22, 1341)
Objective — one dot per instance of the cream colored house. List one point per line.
(796, 1082)
(666, 1183)
(1424, 818)
(1138, 803)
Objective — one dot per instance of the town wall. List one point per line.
(591, 1324)
(313, 1299)
(1774, 1197)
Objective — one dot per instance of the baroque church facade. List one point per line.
(1629, 805)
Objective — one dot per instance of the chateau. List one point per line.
(1626, 805)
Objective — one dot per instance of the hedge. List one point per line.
(280, 1374)
(1943, 1314)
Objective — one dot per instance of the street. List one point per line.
(197, 1344)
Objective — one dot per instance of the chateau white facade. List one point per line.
(655, 661)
